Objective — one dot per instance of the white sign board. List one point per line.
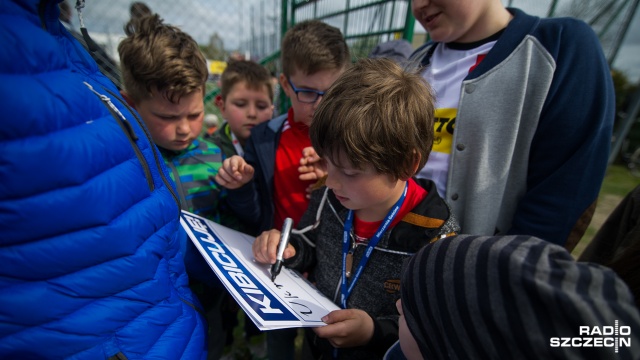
(290, 301)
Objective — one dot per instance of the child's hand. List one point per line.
(346, 328)
(266, 246)
(312, 167)
(234, 173)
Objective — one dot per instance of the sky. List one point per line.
(628, 58)
(235, 20)
(199, 18)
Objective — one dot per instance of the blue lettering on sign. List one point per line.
(252, 291)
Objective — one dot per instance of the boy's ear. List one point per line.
(219, 102)
(127, 98)
(284, 84)
(416, 162)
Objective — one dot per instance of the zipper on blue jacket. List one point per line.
(167, 183)
(176, 176)
(42, 8)
(128, 130)
(154, 150)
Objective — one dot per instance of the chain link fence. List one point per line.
(609, 18)
(222, 28)
(252, 28)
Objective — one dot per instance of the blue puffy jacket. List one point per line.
(89, 259)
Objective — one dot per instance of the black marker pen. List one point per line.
(284, 241)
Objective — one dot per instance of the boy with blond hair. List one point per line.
(164, 75)
(314, 55)
(375, 131)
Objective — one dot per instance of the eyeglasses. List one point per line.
(307, 96)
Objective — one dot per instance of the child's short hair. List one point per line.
(312, 46)
(139, 9)
(158, 56)
(254, 75)
(376, 114)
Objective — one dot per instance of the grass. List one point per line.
(618, 182)
(243, 349)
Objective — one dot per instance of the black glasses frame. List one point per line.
(316, 93)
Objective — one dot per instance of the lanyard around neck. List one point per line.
(236, 144)
(348, 224)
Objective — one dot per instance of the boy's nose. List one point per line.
(416, 4)
(252, 111)
(330, 183)
(183, 126)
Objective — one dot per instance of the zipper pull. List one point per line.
(349, 264)
(105, 99)
(350, 258)
(93, 47)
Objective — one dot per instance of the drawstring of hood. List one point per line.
(85, 34)
(316, 223)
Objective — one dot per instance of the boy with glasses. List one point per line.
(314, 55)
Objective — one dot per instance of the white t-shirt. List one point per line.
(447, 69)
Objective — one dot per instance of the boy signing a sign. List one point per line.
(375, 131)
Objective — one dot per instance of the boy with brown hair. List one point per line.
(314, 55)
(164, 75)
(375, 131)
(245, 101)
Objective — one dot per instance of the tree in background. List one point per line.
(624, 89)
(215, 49)
(625, 92)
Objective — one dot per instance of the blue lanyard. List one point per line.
(348, 224)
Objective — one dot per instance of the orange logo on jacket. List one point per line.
(392, 286)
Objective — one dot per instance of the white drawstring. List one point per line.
(79, 6)
(302, 231)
